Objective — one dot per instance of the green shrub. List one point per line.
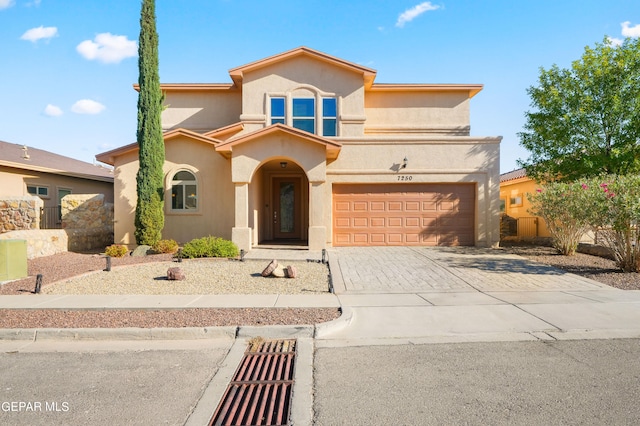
(209, 247)
(116, 250)
(165, 246)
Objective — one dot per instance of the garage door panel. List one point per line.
(360, 222)
(361, 206)
(394, 222)
(404, 214)
(377, 222)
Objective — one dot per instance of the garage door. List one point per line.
(403, 214)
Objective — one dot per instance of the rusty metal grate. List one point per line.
(260, 391)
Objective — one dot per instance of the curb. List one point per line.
(76, 334)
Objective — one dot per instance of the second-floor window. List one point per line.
(304, 114)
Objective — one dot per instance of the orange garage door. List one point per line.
(403, 214)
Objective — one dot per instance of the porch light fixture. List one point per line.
(283, 164)
(404, 162)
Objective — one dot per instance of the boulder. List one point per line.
(269, 269)
(278, 272)
(175, 274)
(141, 250)
(290, 271)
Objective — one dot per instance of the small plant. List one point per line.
(116, 250)
(165, 246)
(209, 247)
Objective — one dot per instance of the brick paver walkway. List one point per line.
(423, 269)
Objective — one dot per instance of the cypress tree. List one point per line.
(149, 218)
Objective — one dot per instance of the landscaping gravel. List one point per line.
(74, 273)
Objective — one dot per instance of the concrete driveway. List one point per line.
(399, 295)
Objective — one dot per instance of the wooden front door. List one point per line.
(287, 208)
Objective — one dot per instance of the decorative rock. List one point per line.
(141, 250)
(278, 272)
(175, 273)
(290, 271)
(269, 269)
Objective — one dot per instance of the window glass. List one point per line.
(184, 191)
(177, 197)
(184, 175)
(329, 117)
(277, 110)
(42, 191)
(329, 108)
(304, 107)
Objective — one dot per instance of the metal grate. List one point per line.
(260, 391)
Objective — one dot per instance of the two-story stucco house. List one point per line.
(305, 147)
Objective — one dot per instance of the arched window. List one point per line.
(184, 191)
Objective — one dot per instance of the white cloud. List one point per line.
(108, 48)
(87, 106)
(52, 110)
(628, 31)
(35, 34)
(614, 41)
(417, 10)
(5, 4)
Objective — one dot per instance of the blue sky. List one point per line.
(68, 66)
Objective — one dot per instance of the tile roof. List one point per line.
(514, 174)
(15, 155)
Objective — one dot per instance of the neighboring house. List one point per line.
(303, 147)
(514, 187)
(31, 171)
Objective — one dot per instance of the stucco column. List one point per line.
(317, 228)
(241, 233)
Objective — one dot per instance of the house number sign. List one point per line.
(405, 178)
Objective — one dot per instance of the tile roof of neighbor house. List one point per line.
(16, 156)
(512, 175)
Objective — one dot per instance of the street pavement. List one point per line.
(394, 300)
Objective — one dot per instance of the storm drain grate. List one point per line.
(260, 391)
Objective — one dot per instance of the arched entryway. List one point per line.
(280, 202)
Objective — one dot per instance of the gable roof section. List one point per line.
(225, 132)
(237, 74)
(109, 157)
(34, 159)
(332, 148)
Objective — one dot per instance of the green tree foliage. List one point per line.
(562, 205)
(149, 218)
(586, 120)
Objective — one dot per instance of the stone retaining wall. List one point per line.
(40, 242)
(88, 221)
(19, 213)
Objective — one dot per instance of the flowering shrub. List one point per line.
(616, 212)
(610, 204)
(563, 206)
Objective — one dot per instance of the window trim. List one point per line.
(169, 191)
(319, 116)
(513, 200)
(38, 188)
